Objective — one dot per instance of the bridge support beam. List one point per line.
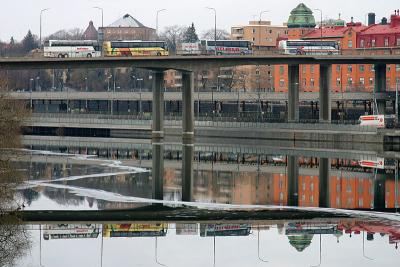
(158, 135)
(380, 86)
(324, 174)
(187, 135)
(293, 181)
(293, 93)
(324, 93)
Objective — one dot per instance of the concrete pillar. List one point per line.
(324, 93)
(157, 172)
(379, 192)
(293, 181)
(158, 105)
(187, 135)
(324, 174)
(293, 93)
(380, 86)
(158, 135)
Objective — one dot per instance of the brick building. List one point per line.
(127, 28)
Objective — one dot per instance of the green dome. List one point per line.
(301, 17)
(300, 242)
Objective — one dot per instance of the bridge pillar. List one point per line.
(293, 181)
(379, 192)
(158, 135)
(187, 135)
(324, 93)
(380, 86)
(293, 93)
(324, 174)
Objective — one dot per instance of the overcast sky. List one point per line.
(17, 16)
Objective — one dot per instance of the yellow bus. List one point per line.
(135, 230)
(135, 48)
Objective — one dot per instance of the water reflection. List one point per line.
(291, 243)
(274, 180)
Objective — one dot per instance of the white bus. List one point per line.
(304, 47)
(70, 231)
(71, 48)
(223, 47)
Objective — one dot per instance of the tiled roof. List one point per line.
(381, 29)
(331, 32)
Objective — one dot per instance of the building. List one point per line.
(261, 33)
(126, 28)
(90, 33)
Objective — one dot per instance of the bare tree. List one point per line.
(70, 34)
(210, 34)
(173, 35)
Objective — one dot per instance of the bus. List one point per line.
(71, 48)
(135, 230)
(304, 47)
(224, 47)
(70, 231)
(378, 121)
(135, 48)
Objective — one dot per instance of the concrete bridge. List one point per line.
(192, 63)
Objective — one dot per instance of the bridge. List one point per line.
(190, 64)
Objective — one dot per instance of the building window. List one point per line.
(373, 42)
(362, 43)
(338, 81)
(304, 69)
(254, 30)
(254, 39)
(270, 31)
(281, 82)
(349, 81)
(337, 68)
(350, 44)
(281, 70)
(397, 67)
(362, 80)
(388, 69)
(349, 68)
(398, 41)
(362, 68)
(305, 82)
(312, 69)
(386, 41)
(257, 72)
(312, 82)
(371, 81)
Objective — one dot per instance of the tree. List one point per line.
(12, 41)
(210, 34)
(29, 42)
(190, 35)
(173, 36)
(70, 34)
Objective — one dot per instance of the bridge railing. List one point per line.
(131, 121)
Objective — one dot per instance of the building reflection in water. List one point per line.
(267, 180)
(288, 237)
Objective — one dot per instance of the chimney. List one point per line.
(371, 19)
(384, 21)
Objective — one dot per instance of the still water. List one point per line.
(57, 181)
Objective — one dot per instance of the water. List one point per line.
(278, 210)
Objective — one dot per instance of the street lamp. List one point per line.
(215, 28)
(259, 28)
(140, 94)
(320, 26)
(37, 84)
(108, 83)
(158, 11)
(102, 14)
(86, 84)
(40, 26)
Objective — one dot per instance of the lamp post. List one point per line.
(40, 26)
(215, 28)
(320, 26)
(140, 94)
(102, 15)
(259, 28)
(158, 11)
(108, 83)
(86, 84)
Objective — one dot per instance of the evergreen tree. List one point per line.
(12, 41)
(190, 35)
(29, 43)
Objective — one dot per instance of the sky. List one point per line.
(18, 16)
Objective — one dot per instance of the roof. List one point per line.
(331, 32)
(127, 21)
(381, 29)
(301, 17)
(90, 32)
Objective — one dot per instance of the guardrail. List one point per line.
(130, 121)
